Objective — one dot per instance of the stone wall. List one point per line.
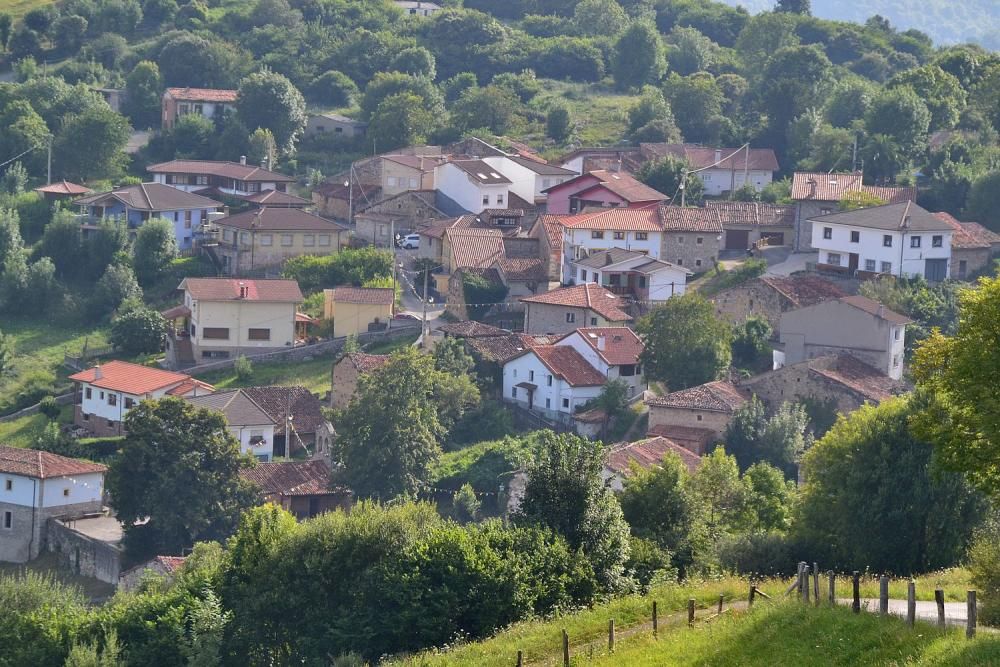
(522, 247)
(755, 298)
(23, 540)
(344, 384)
(712, 420)
(682, 248)
(82, 555)
(974, 258)
(795, 383)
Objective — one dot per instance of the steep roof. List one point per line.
(366, 363)
(63, 188)
(588, 295)
(501, 349)
(276, 198)
(906, 217)
(690, 219)
(281, 219)
(234, 170)
(291, 478)
(857, 376)
(645, 219)
(835, 186)
(620, 345)
(718, 396)
(803, 290)
(757, 214)
(472, 329)
(624, 185)
(522, 268)
(553, 231)
(128, 378)
(474, 247)
(228, 289)
(204, 94)
(968, 235)
(647, 453)
(568, 364)
(370, 296)
(278, 402)
(152, 197)
(481, 172)
(875, 308)
(43, 465)
(236, 405)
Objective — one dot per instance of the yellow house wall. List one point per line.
(239, 317)
(353, 318)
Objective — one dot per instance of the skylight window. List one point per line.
(481, 175)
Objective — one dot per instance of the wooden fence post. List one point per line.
(939, 599)
(805, 584)
(816, 583)
(832, 593)
(911, 603)
(856, 582)
(565, 648)
(883, 595)
(691, 611)
(611, 635)
(970, 623)
(753, 589)
(520, 658)
(654, 618)
(721, 597)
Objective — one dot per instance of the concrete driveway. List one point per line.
(792, 263)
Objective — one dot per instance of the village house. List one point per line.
(600, 189)
(750, 224)
(586, 234)
(222, 318)
(61, 191)
(467, 248)
(403, 173)
(333, 124)
(817, 194)
(105, 393)
(973, 246)
(38, 486)
(207, 102)
(396, 216)
(551, 380)
(771, 296)
(298, 418)
(267, 237)
(564, 310)
(644, 454)
(339, 202)
(417, 7)
(347, 371)
(275, 199)
(356, 310)
(247, 421)
(692, 237)
(162, 567)
(721, 170)
(696, 417)
(522, 276)
(549, 232)
(895, 239)
(529, 179)
(472, 184)
(303, 488)
(137, 204)
(854, 325)
(219, 177)
(613, 351)
(631, 274)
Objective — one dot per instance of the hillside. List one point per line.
(947, 22)
(21, 7)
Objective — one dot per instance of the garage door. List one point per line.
(737, 239)
(773, 238)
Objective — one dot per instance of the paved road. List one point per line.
(412, 303)
(954, 612)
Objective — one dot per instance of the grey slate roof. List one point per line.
(906, 217)
(239, 409)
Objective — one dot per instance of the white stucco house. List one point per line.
(529, 178)
(583, 235)
(472, 184)
(613, 351)
(632, 274)
(897, 239)
(247, 421)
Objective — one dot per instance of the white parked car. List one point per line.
(411, 242)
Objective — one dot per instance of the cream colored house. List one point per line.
(268, 237)
(355, 310)
(222, 318)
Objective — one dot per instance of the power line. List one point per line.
(4, 164)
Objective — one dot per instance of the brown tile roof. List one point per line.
(481, 172)
(275, 198)
(648, 453)
(501, 349)
(203, 94)
(645, 219)
(42, 465)
(857, 376)
(129, 378)
(553, 231)
(228, 289)
(540, 166)
(804, 290)
(718, 396)
(372, 296)
(968, 235)
(234, 170)
(757, 214)
(237, 406)
(472, 329)
(190, 385)
(690, 437)
(366, 363)
(278, 402)
(281, 219)
(621, 183)
(569, 364)
(522, 268)
(906, 217)
(690, 219)
(474, 247)
(620, 344)
(63, 188)
(833, 188)
(152, 197)
(875, 308)
(588, 295)
(291, 478)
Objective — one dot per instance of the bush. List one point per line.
(984, 568)
(766, 554)
(649, 564)
(243, 368)
(48, 407)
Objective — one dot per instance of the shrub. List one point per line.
(649, 563)
(48, 407)
(984, 568)
(243, 368)
(766, 554)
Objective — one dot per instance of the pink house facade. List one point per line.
(600, 189)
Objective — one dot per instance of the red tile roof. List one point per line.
(645, 219)
(203, 94)
(43, 465)
(690, 219)
(588, 295)
(553, 230)
(278, 402)
(275, 198)
(857, 376)
(366, 363)
(620, 344)
(129, 378)
(968, 235)
(292, 478)
(648, 453)
(64, 188)
(501, 349)
(718, 396)
(757, 214)
(228, 289)
(522, 268)
(569, 364)
(188, 386)
(369, 296)
(154, 197)
(833, 187)
(472, 248)
(234, 170)
(281, 219)
(621, 183)
(691, 438)
(804, 290)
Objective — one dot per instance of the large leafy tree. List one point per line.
(138, 330)
(565, 492)
(873, 498)
(686, 344)
(795, 79)
(751, 436)
(270, 101)
(940, 91)
(178, 466)
(638, 56)
(901, 115)
(192, 60)
(91, 144)
(961, 375)
(143, 88)
(666, 175)
(154, 248)
(400, 120)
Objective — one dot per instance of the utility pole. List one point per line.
(423, 326)
(684, 176)
(49, 172)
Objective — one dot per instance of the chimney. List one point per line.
(243, 160)
(607, 258)
(243, 290)
(881, 311)
(97, 372)
(812, 188)
(718, 154)
(601, 342)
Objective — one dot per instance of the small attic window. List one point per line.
(494, 174)
(481, 175)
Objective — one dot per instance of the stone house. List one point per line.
(347, 371)
(298, 416)
(565, 309)
(165, 567)
(397, 215)
(748, 224)
(696, 417)
(692, 237)
(334, 124)
(771, 296)
(335, 200)
(647, 453)
(973, 246)
(303, 488)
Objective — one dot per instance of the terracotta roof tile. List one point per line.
(43, 465)
(645, 219)
(153, 197)
(833, 187)
(280, 219)
(522, 268)
(228, 289)
(64, 188)
(372, 296)
(291, 478)
(621, 183)
(648, 453)
(553, 232)
(472, 329)
(569, 364)
(203, 94)
(190, 385)
(690, 219)
(968, 235)
(234, 170)
(588, 295)
(501, 349)
(803, 290)
(277, 402)
(857, 376)
(474, 247)
(719, 396)
(275, 198)
(690, 437)
(129, 378)
(620, 345)
(757, 214)
(366, 363)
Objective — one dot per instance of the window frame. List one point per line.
(254, 334)
(828, 233)
(887, 240)
(215, 333)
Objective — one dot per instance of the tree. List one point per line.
(524, 84)
(690, 51)
(666, 175)
(565, 492)
(450, 357)
(269, 100)
(6, 354)
(723, 496)
(62, 244)
(108, 49)
(940, 91)
(105, 245)
(686, 344)
(751, 436)
(750, 342)
(491, 107)
(138, 330)
(415, 61)
(5, 25)
(179, 466)
(984, 200)
(68, 33)
(91, 144)
(263, 148)
(387, 84)
(900, 114)
(599, 18)
(849, 102)
(650, 107)
(801, 7)
(696, 102)
(26, 43)
(43, 288)
(794, 80)
(159, 12)
(207, 622)
(638, 57)
(873, 497)
(192, 60)
(768, 497)
(191, 136)
(612, 401)
(400, 120)
(143, 89)
(558, 123)
(334, 89)
(154, 248)
(116, 286)
(458, 84)
(959, 375)
(466, 505)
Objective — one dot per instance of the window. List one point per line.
(886, 267)
(286, 240)
(9, 484)
(680, 240)
(227, 235)
(391, 181)
(413, 183)
(324, 239)
(565, 402)
(201, 180)
(87, 393)
(583, 275)
(570, 318)
(833, 258)
(887, 240)
(641, 236)
(593, 321)
(86, 417)
(308, 240)
(215, 333)
(500, 199)
(515, 373)
(828, 232)
(699, 240)
(855, 237)
(619, 236)
(597, 234)
(895, 332)
(66, 493)
(697, 262)
(937, 241)
(112, 399)
(187, 219)
(259, 334)
(825, 211)
(486, 200)
(513, 392)
(699, 417)
(548, 403)
(256, 438)
(548, 380)
(869, 265)
(215, 354)
(963, 267)
(680, 262)
(244, 238)
(626, 370)
(642, 282)
(895, 360)
(266, 239)
(8, 520)
(129, 403)
(914, 241)
(102, 395)
(531, 376)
